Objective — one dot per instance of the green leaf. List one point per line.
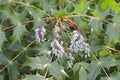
(15, 47)
(33, 77)
(49, 6)
(60, 13)
(95, 25)
(13, 71)
(3, 59)
(104, 78)
(100, 13)
(13, 16)
(116, 18)
(55, 70)
(85, 65)
(69, 7)
(113, 33)
(1, 77)
(81, 7)
(38, 24)
(37, 62)
(18, 33)
(82, 23)
(82, 74)
(103, 53)
(35, 12)
(94, 70)
(111, 3)
(44, 47)
(115, 76)
(76, 67)
(109, 61)
(2, 39)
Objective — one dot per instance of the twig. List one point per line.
(100, 63)
(7, 28)
(92, 17)
(112, 48)
(47, 68)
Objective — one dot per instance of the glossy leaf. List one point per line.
(100, 13)
(2, 39)
(33, 77)
(3, 59)
(116, 18)
(37, 62)
(13, 71)
(113, 33)
(76, 68)
(94, 70)
(60, 13)
(55, 70)
(111, 3)
(35, 12)
(103, 53)
(82, 74)
(18, 33)
(95, 25)
(81, 7)
(85, 65)
(14, 17)
(1, 77)
(115, 76)
(44, 48)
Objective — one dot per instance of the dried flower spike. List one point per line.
(39, 34)
(78, 43)
(57, 49)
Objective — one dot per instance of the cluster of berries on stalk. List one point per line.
(78, 42)
(39, 34)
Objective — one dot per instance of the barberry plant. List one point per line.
(59, 40)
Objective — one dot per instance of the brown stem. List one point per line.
(72, 23)
(65, 44)
(55, 27)
(49, 19)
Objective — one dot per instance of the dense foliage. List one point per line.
(39, 40)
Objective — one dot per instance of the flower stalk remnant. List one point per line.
(78, 43)
(39, 34)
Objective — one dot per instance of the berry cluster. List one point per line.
(57, 49)
(39, 34)
(78, 43)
